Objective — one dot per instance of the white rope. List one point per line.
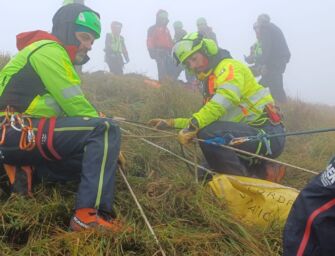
(171, 153)
(261, 157)
(142, 212)
(229, 147)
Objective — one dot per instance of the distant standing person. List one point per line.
(65, 2)
(205, 30)
(159, 44)
(179, 31)
(255, 54)
(275, 56)
(116, 54)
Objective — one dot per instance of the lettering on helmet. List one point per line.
(328, 176)
(81, 17)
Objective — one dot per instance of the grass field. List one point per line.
(187, 219)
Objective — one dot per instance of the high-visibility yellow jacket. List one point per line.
(234, 95)
(40, 81)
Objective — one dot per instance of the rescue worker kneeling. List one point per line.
(234, 103)
(48, 123)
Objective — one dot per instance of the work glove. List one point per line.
(161, 124)
(121, 160)
(102, 115)
(187, 134)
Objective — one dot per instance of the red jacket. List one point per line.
(159, 38)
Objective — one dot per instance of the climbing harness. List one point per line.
(21, 124)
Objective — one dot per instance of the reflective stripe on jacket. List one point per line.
(237, 97)
(41, 81)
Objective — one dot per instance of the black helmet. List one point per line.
(65, 23)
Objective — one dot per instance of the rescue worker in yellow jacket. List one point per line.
(41, 95)
(234, 104)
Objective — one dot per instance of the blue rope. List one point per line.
(222, 140)
(229, 139)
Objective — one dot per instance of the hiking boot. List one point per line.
(20, 178)
(87, 218)
(274, 172)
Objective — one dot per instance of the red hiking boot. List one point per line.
(87, 218)
(274, 172)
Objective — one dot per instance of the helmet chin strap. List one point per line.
(83, 60)
(203, 75)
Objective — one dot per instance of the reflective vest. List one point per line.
(117, 43)
(231, 94)
(257, 49)
(257, 52)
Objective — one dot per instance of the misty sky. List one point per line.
(308, 26)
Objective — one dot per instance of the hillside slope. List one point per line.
(187, 219)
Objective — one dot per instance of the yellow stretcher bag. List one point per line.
(253, 201)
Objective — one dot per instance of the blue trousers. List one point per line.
(227, 161)
(71, 148)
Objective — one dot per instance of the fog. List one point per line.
(307, 25)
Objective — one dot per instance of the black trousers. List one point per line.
(166, 67)
(70, 148)
(273, 78)
(223, 160)
(115, 64)
(310, 227)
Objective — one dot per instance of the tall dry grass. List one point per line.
(187, 218)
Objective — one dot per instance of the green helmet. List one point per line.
(91, 21)
(192, 43)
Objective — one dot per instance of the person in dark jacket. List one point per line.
(41, 95)
(179, 31)
(275, 56)
(309, 229)
(205, 30)
(116, 54)
(159, 44)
